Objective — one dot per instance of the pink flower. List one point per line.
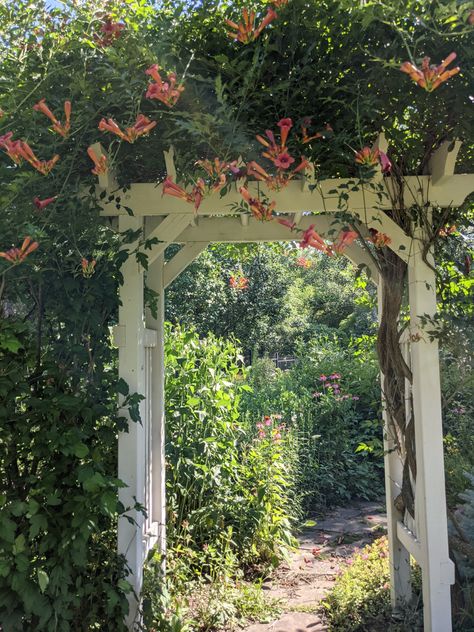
(323, 378)
(267, 421)
(283, 160)
(41, 204)
(385, 163)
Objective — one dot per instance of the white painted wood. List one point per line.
(169, 162)
(147, 199)
(131, 444)
(443, 161)
(437, 569)
(158, 468)
(182, 260)
(167, 231)
(411, 543)
(399, 557)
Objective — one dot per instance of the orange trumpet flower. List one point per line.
(367, 156)
(380, 240)
(313, 239)
(195, 197)
(100, 164)
(430, 77)
(165, 91)
(43, 166)
(261, 211)
(345, 238)
(17, 255)
(88, 267)
(246, 32)
(58, 127)
(142, 126)
(11, 147)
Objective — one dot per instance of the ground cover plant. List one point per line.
(296, 84)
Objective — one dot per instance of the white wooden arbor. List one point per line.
(139, 338)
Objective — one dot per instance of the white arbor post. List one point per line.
(399, 557)
(158, 468)
(431, 516)
(130, 339)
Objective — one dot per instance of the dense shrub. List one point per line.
(360, 598)
(335, 421)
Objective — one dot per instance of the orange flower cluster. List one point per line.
(446, 230)
(278, 154)
(430, 77)
(380, 240)
(17, 255)
(238, 282)
(306, 138)
(142, 127)
(313, 239)
(372, 157)
(195, 197)
(165, 91)
(62, 129)
(260, 210)
(367, 156)
(246, 32)
(43, 166)
(217, 169)
(19, 150)
(88, 267)
(100, 164)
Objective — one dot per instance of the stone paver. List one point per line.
(303, 583)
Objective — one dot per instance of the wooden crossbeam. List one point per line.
(167, 231)
(147, 199)
(230, 230)
(443, 161)
(181, 261)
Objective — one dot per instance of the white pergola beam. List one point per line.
(131, 444)
(181, 261)
(155, 280)
(166, 232)
(147, 199)
(430, 516)
(443, 161)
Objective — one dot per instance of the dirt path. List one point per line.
(303, 583)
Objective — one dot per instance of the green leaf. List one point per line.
(80, 450)
(43, 579)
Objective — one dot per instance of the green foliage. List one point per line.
(220, 476)
(58, 503)
(337, 434)
(284, 306)
(360, 598)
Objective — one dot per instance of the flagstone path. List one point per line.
(302, 584)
